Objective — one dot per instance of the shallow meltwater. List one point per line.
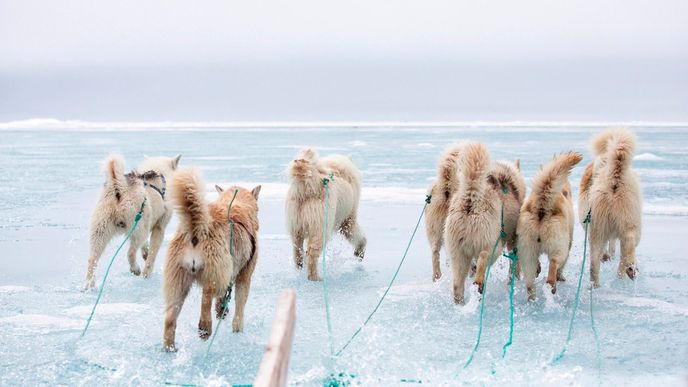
(418, 334)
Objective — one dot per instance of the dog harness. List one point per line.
(162, 190)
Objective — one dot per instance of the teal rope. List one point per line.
(513, 256)
(428, 198)
(560, 356)
(138, 217)
(597, 340)
(326, 294)
(228, 294)
(502, 235)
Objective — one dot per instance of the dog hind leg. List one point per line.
(100, 236)
(352, 232)
(627, 263)
(242, 286)
(460, 265)
(157, 235)
(314, 250)
(177, 285)
(297, 242)
(205, 322)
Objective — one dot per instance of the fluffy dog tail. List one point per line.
(447, 169)
(550, 181)
(188, 195)
(586, 181)
(113, 169)
(616, 147)
(474, 166)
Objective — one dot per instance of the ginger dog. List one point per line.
(609, 250)
(615, 200)
(200, 252)
(120, 200)
(473, 222)
(442, 190)
(545, 225)
(305, 205)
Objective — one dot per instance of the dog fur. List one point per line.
(615, 200)
(545, 225)
(506, 177)
(609, 250)
(473, 223)
(200, 252)
(119, 201)
(305, 205)
(442, 190)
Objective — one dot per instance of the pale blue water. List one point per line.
(49, 182)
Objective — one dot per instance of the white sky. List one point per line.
(353, 59)
(49, 32)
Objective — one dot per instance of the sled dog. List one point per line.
(545, 225)
(305, 205)
(201, 252)
(122, 197)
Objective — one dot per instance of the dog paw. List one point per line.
(606, 257)
(359, 254)
(552, 287)
(561, 278)
(135, 270)
(89, 285)
(205, 328)
(170, 348)
(632, 272)
(237, 325)
(314, 277)
(480, 286)
(436, 276)
(219, 313)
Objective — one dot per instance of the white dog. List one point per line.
(442, 190)
(473, 226)
(122, 197)
(305, 205)
(615, 201)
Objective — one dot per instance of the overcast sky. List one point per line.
(352, 60)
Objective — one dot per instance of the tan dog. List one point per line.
(609, 250)
(200, 252)
(120, 200)
(473, 224)
(615, 201)
(506, 178)
(545, 225)
(442, 190)
(305, 205)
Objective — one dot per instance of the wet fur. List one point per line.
(473, 223)
(305, 205)
(546, 221)
(442, 190)
(615, 200)
(200, 252)
(609, 251)
(119, 202)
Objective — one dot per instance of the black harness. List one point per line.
(162, 190)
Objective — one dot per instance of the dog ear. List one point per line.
(517, 163)
(309, 154)
(175, 161)
(218, 189)
(255, 191)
